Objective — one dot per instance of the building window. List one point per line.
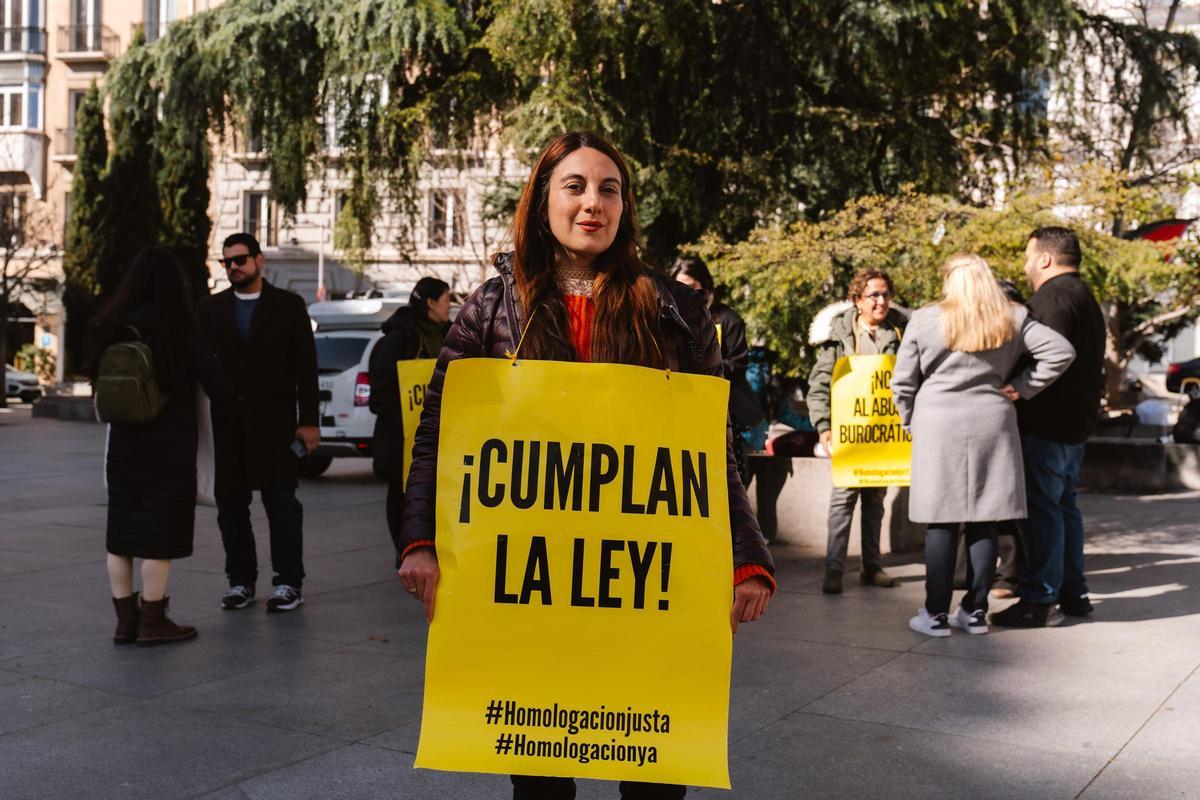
(35, 104)
(12, 220)
(447, 218)
(12, 98)
(159, 14)
(261, 219)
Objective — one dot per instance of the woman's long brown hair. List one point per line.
(625, 329)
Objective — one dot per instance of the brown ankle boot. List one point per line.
(127, 619)
(157, 628)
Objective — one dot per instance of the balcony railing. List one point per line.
(64, 142)
(88, 39)
(23, 40)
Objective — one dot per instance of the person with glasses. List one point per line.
(869, 327)
(263, 339)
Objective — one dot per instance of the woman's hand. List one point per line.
(750, 600)
(419, 575)
(1008, 391)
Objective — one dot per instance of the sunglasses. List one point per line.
(875, 297)
(232, 260)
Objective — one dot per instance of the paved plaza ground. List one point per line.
(832, 697)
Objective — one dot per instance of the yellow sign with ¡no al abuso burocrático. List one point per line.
(870, 446)
(581, 627)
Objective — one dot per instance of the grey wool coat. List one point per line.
(966, 456)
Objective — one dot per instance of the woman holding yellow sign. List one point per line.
(953, 389)
(575, 288)
(414, 331)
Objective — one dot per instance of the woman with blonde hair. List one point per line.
(958, 371)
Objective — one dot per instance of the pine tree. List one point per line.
(85, 226)
(184, 161)
(133, 216)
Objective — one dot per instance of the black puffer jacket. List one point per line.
(488, 325)
(401, 342)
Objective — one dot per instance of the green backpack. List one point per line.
(126, 390)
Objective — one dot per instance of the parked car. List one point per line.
(22, 385)
(346, 332)
(1184, 377)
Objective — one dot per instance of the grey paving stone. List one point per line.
(813, 757)
(221, 650)
(358, 772)
(1172, 737)
(29, 702)
(348, 695)
(766, 681)
(146, 749)
(349, 616)
(1001, 702)
(54, 540)
(17, 562)
(874, 618)
(1127, 779)
(32, 626)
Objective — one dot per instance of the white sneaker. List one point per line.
(970, 621)
(936, 625)
(285, 598)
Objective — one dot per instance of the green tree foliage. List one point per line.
(780, 276)
(1129, 97)
(134, 218)
(738, 112)
(731, 113)
(86, 224)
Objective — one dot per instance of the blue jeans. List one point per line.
(1054, 532)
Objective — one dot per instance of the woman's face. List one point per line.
(875, 301)
(585, 204)
(439, 309)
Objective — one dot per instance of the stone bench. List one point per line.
(803, 510)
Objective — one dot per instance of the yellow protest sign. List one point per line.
(870, 447)
(582, 619)
(414, 377)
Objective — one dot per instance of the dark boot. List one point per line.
(833, 581)
(157, 627)
(127, 619)
(877, 576)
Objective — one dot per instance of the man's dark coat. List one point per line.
(274, 373)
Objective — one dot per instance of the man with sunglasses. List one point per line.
(263, 338)
(869, 327)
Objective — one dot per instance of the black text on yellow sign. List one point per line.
(876, 420)
(870, 445)
(601, 588)
(575, 476)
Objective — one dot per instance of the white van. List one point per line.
(346, 332)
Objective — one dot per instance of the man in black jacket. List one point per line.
(264, 341)
(1054, 426)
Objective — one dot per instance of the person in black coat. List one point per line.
(744, 409)
(151, 466)
(414, 331)
(263, 339)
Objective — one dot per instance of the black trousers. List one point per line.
(527, 788)
(770, 474)
(285, 518)
(395, 509)
(941, 545)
